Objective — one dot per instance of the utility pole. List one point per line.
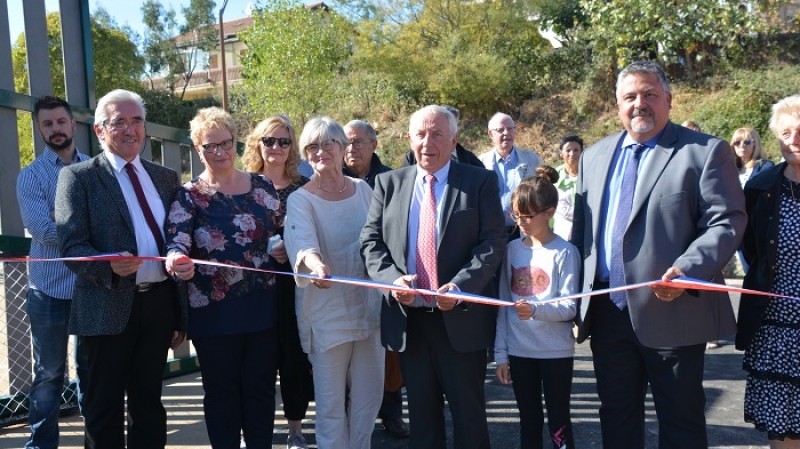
(222, 55)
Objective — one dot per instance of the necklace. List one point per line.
(344, 186)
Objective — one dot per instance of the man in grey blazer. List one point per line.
(442, 342)
(511, 164)
(685, 217)
(128, 312)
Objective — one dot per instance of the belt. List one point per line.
(146, 286)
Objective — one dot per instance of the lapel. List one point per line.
(161, 187)
(404, 194)
(454, 183)
(109, 180)
(659, 158)
(602, 160)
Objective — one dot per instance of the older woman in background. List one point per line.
(571, 150)
(750, 156)
(227, 215)
(339, 323)
(271, 150)
(769, 328)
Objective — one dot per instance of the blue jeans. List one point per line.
(49, 318)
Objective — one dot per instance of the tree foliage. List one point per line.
(294, 55)
(169, 57)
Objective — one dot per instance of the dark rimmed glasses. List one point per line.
(211, 147)
(282, 142)
(739, 142)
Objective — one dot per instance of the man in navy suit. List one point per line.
(684, 217)
(128, 312)
(442, 342)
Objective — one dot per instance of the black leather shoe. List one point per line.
(397, 428)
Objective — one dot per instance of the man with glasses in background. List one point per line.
(128, 312)
(512, 164)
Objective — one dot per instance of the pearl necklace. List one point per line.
(344, 186)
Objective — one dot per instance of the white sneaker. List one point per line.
(296, 441)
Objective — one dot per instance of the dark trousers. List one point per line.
(554, 377)
(624, 367)
(131, 363)
(239, 382)
(297, 384)
(433, 370)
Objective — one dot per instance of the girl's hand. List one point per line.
(503, 374)
(524, 310)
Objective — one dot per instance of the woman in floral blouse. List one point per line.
(226, 215)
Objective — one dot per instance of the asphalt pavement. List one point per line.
(724, 388)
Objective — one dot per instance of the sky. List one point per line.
(125, 12)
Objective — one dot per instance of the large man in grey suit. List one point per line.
(128, 312)
(442, 343)
(684, 216)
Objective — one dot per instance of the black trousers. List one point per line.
(131, 363)
(239, 382)
(554, 377)
(624, 368)
(297, 383)
(433, 370)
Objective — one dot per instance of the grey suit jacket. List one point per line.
(470, 248)
(92, 218)
(688, 211)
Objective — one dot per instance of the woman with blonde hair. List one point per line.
(228, 216)
(751, 158)
(271, 151)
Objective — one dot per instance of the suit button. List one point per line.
(772, 242)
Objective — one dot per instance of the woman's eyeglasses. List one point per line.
(282, 142)
(739, 142)
(226, 145)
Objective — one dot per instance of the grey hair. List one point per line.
(497, 117)
(364, 126)
(115, 97)
(320, 129)
(644, 67)
(433, 109)
(787, 106)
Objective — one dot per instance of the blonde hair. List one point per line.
(208, 119)
(758, 150)
(252, 159)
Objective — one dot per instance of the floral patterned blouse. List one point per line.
(232, 229)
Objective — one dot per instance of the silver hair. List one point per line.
(364, 126)
(497, 117)
(319, 129)
(787, 106)
(115, 97)
(644, 67)
(433, 109)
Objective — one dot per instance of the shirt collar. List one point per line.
(118, 163)
(441, 175)
(512, 156)
(52, 156)
(651, 143)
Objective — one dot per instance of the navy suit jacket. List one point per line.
(470, 248)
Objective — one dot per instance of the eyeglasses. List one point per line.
(326, 146)
(121, 125)
(359, 144)
(502, 130)
(522, 218)
(739, 142)
(282, 142)
(226, 145)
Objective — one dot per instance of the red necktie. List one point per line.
(427, 277)
(148, 214)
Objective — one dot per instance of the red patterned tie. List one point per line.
(427, 277)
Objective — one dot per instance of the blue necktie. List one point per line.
(624, 205)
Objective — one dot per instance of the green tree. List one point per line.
(689, 35)
(174, 51)
(294, 55)
(117, 65)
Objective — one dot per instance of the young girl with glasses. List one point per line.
(534, 343)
